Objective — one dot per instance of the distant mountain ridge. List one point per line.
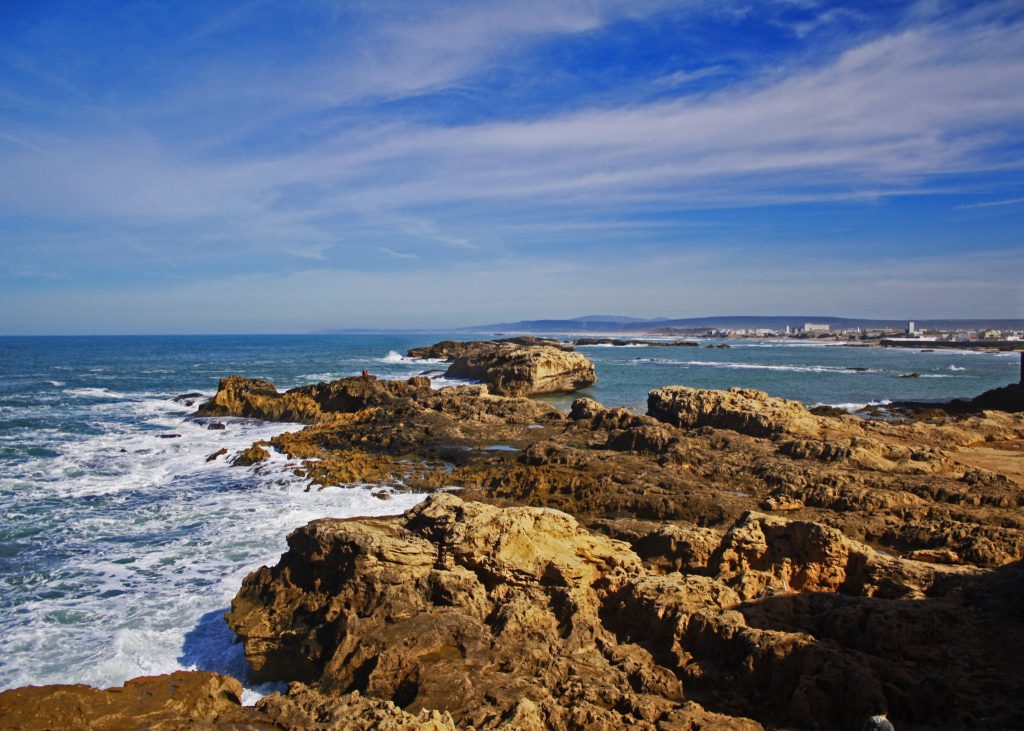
(616, 323)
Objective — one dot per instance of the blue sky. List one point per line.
(290, 166)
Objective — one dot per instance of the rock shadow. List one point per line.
(950, 660)
(212, 646)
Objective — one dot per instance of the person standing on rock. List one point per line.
(878, 722)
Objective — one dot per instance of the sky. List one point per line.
(299, 165)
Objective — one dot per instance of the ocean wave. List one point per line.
(56, 384)
(394, 356)
(610, 345)
(170, 537)
(757, 366)
(853, 407)
(955, 368)
(95, 393)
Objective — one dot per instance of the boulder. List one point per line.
(510, 370)
(743, 410)
(248, 457)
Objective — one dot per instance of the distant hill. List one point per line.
(619, 323)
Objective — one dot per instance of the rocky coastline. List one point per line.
(726, 560)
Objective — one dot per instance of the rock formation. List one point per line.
(178, 700)
(492, 614)
(484, 613)
(950, 489)
(727, 560)
(516, 367)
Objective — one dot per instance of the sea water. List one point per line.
(121, 546)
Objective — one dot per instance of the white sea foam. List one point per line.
(757, 366)
(56, 384)
(144, 543)
(394, 356)
(104, 393)
(611, 345)
(852, 407)
(955, 368)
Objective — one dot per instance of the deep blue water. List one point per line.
(120, 548)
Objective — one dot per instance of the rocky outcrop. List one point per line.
(464, 608)
(492, 614)
(175, 701)
(744, 410)
(517, 371)
(451, 349)
(259, 399)
(515, 367)
(950, 489)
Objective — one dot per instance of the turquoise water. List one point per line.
(121, 546)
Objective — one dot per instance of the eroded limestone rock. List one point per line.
(469, 609)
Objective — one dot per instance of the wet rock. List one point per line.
(220, 452)
(188, 399)
(248, 457)
(170, 436)
(216, 426)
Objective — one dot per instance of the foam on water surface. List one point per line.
(131, 545)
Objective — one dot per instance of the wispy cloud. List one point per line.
(396, 254)
(373, 133)
(990, 204)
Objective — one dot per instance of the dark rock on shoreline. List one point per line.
(1009, 399)
(187, 399)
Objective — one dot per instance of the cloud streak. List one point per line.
(345, 152)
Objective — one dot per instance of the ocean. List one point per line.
(121, 546)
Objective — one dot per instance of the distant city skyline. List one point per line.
(290, 167)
